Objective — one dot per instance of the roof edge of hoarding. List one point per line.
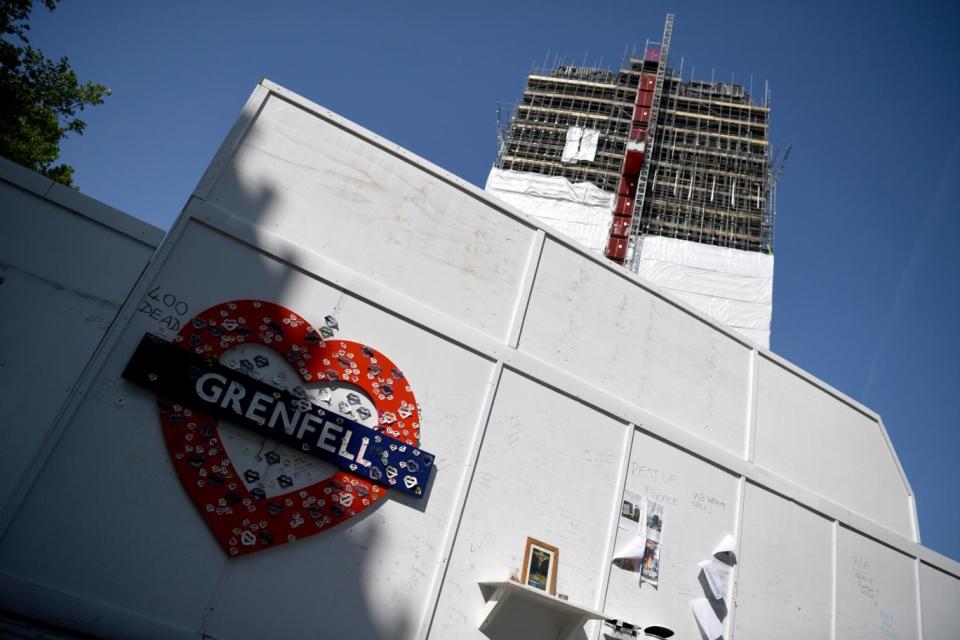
(267, 87)
(80, 203)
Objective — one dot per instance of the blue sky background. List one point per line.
(867, 275)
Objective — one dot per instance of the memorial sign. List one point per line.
(361, 416)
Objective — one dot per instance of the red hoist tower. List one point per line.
(625, 228)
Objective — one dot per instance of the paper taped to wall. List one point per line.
(630, 513)
(726, 551)
(709, 623)
(718, 577)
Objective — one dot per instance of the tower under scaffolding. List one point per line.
(682, 159)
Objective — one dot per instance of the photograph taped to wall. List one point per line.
(650, 569)
(540, 566)
(630, 512)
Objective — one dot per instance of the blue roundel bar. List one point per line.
(207, 386)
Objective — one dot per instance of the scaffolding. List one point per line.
(556, 99)
(705, 174)
(711, 167)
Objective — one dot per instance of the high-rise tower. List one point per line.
(673, 179)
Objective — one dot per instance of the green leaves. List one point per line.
(41, 97)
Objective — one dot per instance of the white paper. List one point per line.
(709, 622)
(572, 146)
(718, 577)
(726, 551)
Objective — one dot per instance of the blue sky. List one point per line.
(867, 280)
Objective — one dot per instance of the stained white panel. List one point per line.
(549, 469)
(62, 279)
(876, 590)
(939, 603)
(700, 508)
(827, 446)
(784, 576)
(322, 186)
(112, 522)
(616, 335)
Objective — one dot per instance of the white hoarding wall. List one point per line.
(545, 408)
(67, 263)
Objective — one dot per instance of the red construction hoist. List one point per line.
(632, 186)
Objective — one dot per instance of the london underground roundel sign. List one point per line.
(277, 429)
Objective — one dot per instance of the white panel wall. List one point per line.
(603, 328)
(543, 472)
(700, 508)
(828, 446)
(123, 475)
(784, 578)
(530, 360)
(939, 600)
(66, 265)
(876, 590)
(324, 188)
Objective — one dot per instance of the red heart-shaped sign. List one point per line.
(252, 492)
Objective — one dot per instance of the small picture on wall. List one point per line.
(540, 566)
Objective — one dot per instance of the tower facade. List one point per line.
(671, 178)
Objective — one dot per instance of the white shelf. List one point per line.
(569, 616)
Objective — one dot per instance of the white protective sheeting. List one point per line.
(581, 211)
(588, 145)
(732, 286)
(572, 146)
(581, 144)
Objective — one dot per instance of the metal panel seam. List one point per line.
(526, 288)
(463, 492)
(753, 393)
(601, 601)
(918, 601)
(741, 495)
(834, 563)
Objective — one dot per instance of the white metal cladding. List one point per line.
(541, 397)
(603, 328)
(831, 447)
(781, 591)
(67, 263)
(939, 595)
(876, 590)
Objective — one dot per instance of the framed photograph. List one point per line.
(540, 566)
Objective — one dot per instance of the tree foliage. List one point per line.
(39, 97)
